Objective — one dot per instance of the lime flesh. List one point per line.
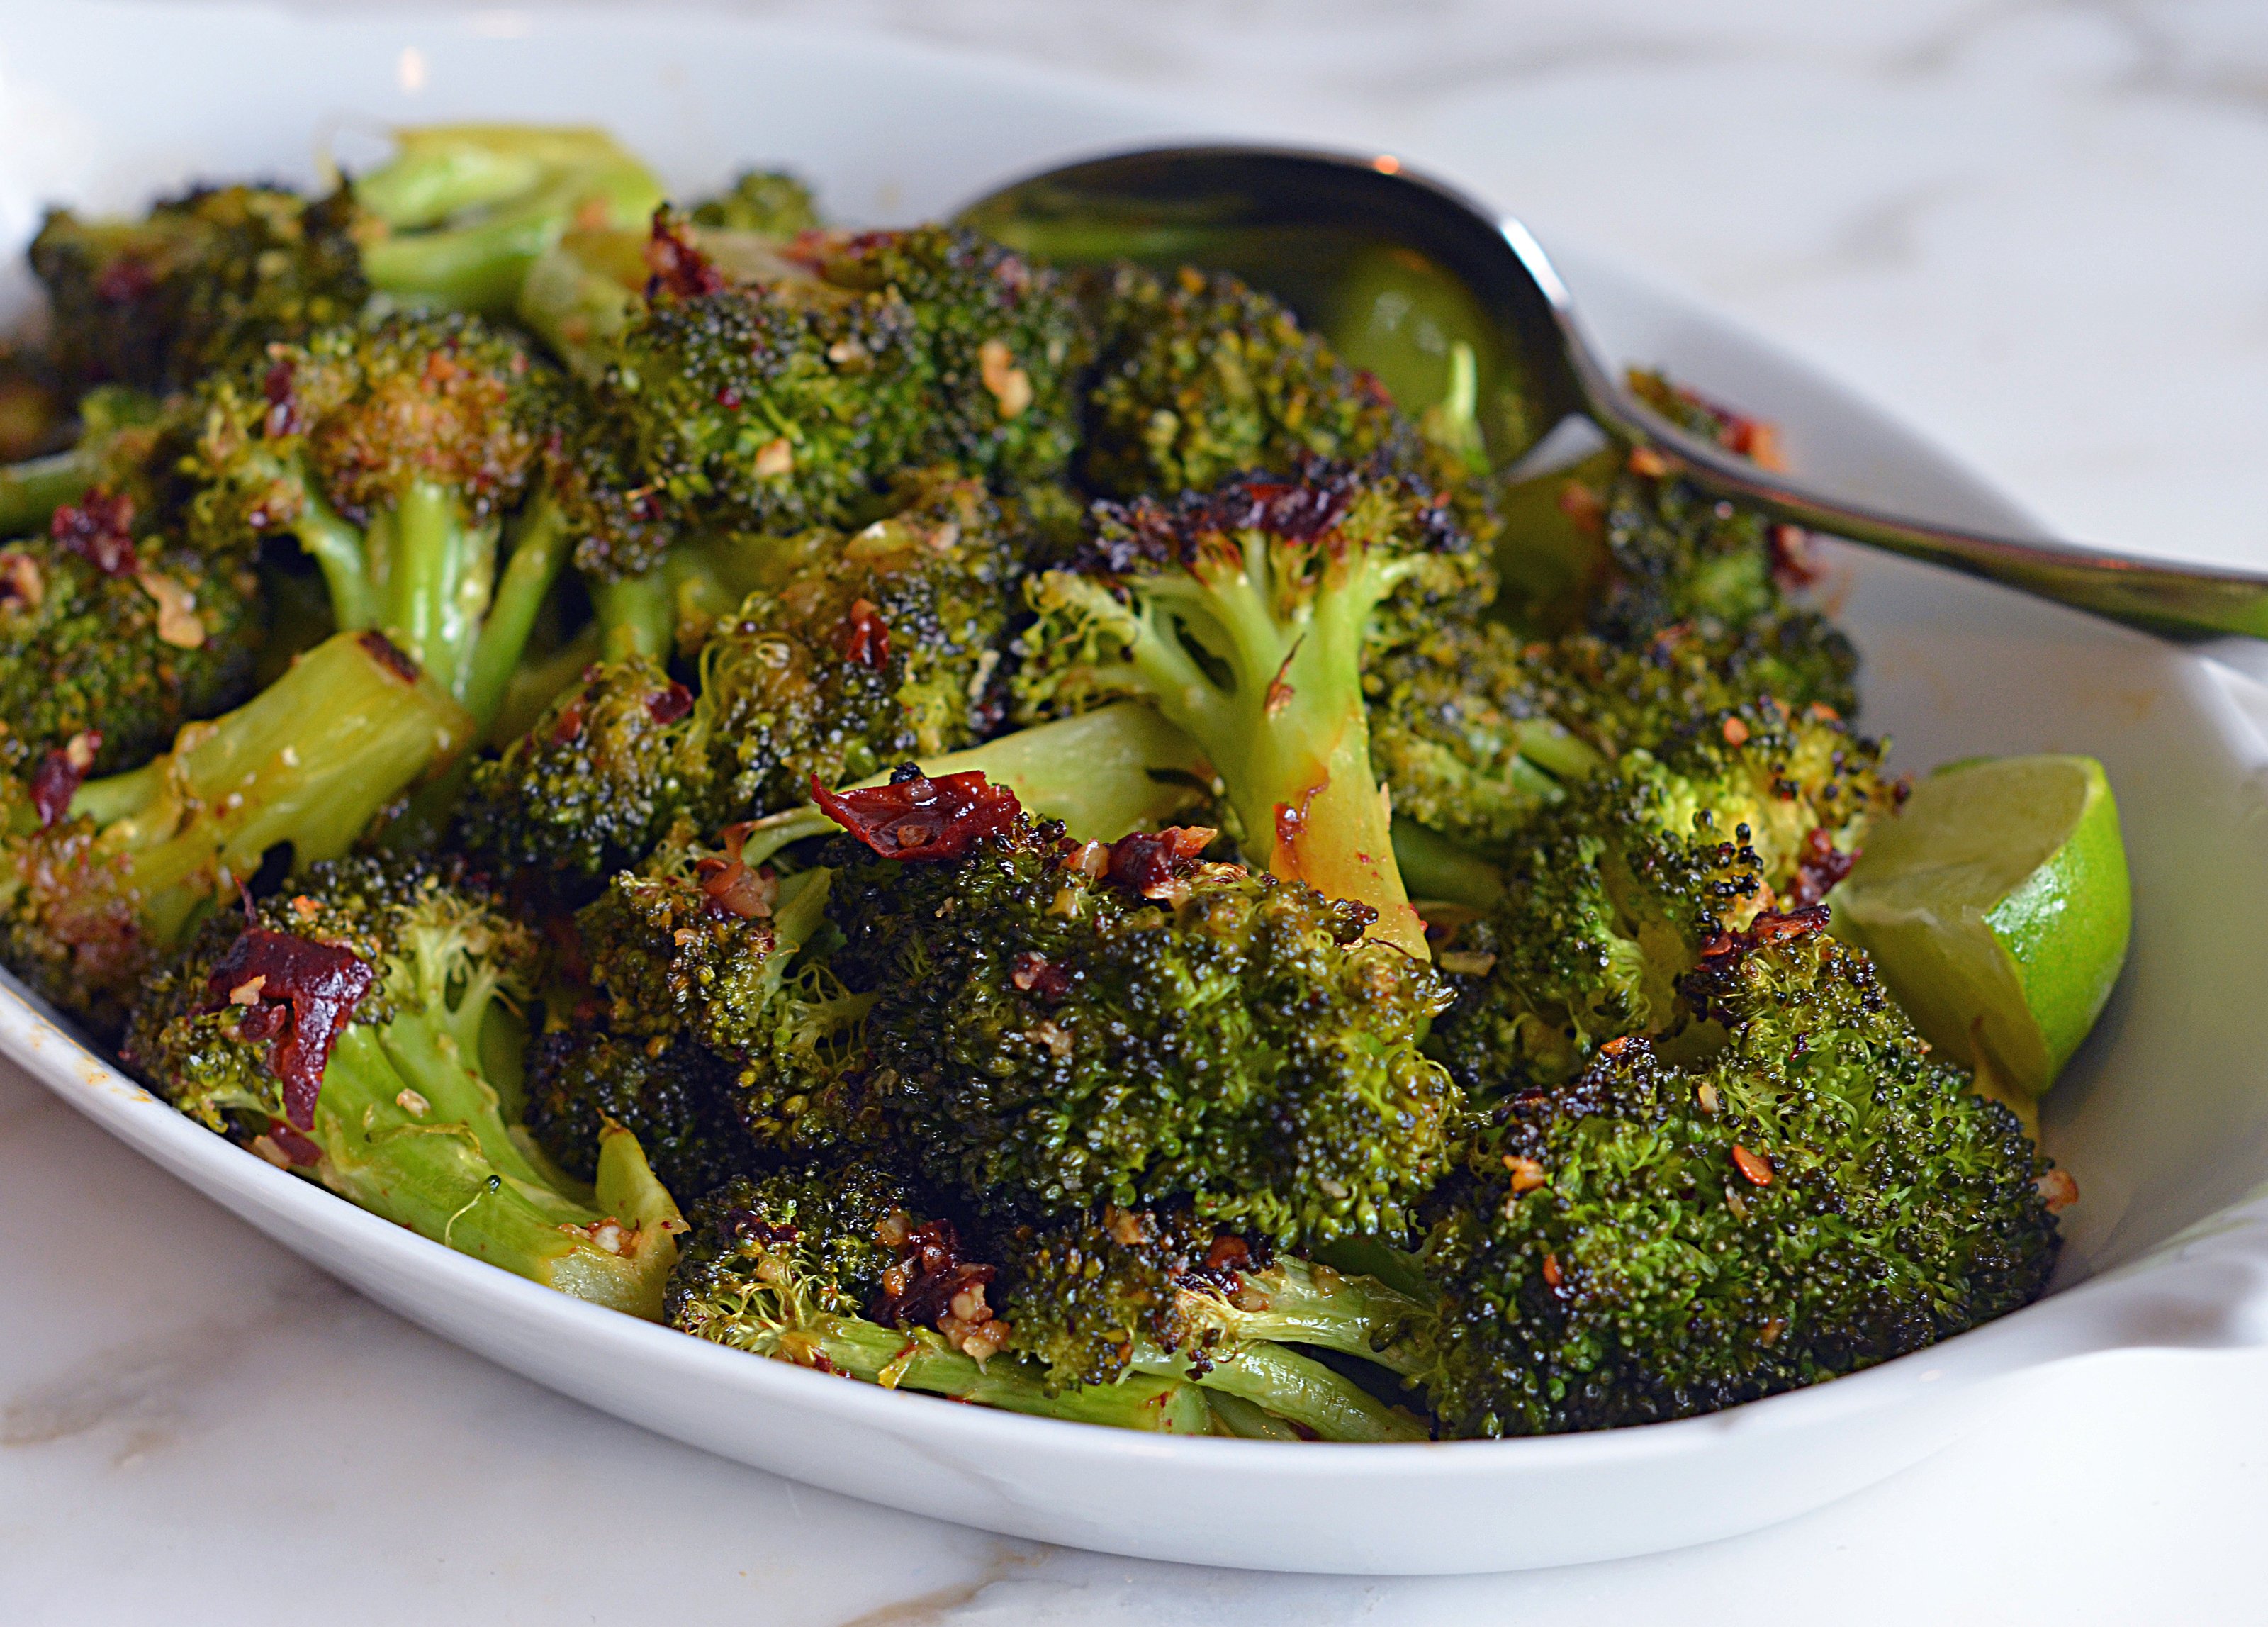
(1996, 907)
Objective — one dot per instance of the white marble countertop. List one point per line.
(2035, 227)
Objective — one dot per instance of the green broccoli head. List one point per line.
(863, 651)
(789, 402)
(394, 452)
(202, 282)
(364, 1030)
(1618, 892)
(1648, 1240)
(765, 201)
(114, 635)
(1248, 617)
(1071, 1024)
(583, 1080)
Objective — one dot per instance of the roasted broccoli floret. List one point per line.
(791, 1266)
(781, 404)
(1073, 1024)
(1629, 883)
(1247, 616)
(765, 201)
(582, 1080)
(112, 634)
(364, 1030)
(1651, 1239)
(202, 282)
(1100, 1294)
(397, 453)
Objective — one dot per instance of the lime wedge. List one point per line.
(1996, 908)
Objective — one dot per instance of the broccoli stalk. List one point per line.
(362, 1033)
(119, 871)
(466, 209)
(1245, 618)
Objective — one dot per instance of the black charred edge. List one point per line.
(389, 655)
(1300, 506)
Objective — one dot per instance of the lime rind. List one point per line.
(1997, 908)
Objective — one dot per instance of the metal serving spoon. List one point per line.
(1296, 222)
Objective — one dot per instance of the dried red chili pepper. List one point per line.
(916, 817)
(319, 984)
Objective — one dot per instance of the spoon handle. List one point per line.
(2183, 601)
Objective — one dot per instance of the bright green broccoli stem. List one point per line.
(1296, 1388)
(1104, 773)
(1235, 1416)
(337, 548)
(636, 616)
(539, 548)
(311, 760)
(31, 492)
(439, 571)
(410, 1131)
(1438, 870)
(920, 1360)
(1265, 675)
(471, 206)
(1294, 1301)
(1453, 422)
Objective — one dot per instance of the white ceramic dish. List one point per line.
(2163, 1118)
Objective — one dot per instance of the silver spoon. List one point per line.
(1286, 218)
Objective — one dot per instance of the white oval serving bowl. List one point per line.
(2162, 1119)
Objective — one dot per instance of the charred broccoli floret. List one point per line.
(1247, 617)
(1071, 1024)
(766, 201)
(790, 1267)
(583, 1080)
(396, 454)
(202, 282)
(1649, 1241)
(112, 635)
(363, 1032)
(781, 404)
(1622, 890)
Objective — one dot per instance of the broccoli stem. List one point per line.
(1246, 1420)
(31, 490)
(440, 571)
(311, 760)
(1104, 773)
(1276, 703)
(1295, 1387)
(1298, 1303)
(635, 615)
(407, 1130)
(1437, 869)
(338, 551)
(539, 548)
(919, 1360)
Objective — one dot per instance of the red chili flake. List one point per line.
(1226, 1253)
(99, 529)
(321, 984)
(1736, 732)
(1769, 926)
(1035, 974)
(123, 281)
(1821, 866)
(295, 1147)
(728, 398)
(865, 636)
(60, 774)
(1793, 563)
(675, 266)
(1758, 1171)
(282, 410)
(916, 817)
(569, 723)
(730, 884)
(388, 654)
(920, 1288)
(665, 706)
(1551, 1274)
(1149, 865)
